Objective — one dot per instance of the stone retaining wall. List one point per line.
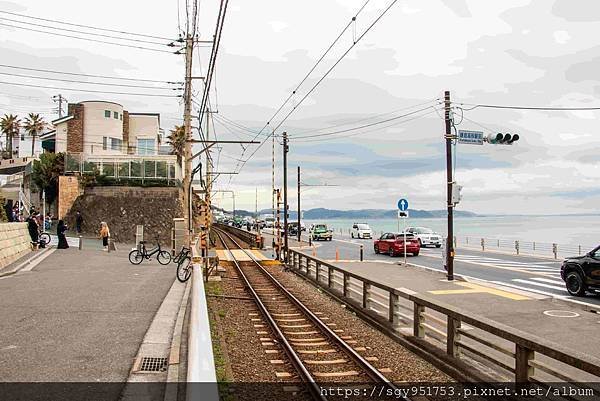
(15, 242)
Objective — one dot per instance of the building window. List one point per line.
(107, 113)
(116, 144)
(116, 115)
(145, 147)
(104, 142)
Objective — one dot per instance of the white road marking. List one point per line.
(548, 280)
(553, 287)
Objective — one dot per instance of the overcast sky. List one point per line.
(514, 52)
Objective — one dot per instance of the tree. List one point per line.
(177, 141)
(45, 173)
(10, 126)
(34, 125)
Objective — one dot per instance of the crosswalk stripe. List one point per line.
(548, 280)
(518, 280)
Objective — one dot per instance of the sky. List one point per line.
(515, 52)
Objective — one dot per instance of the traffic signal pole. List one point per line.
(450, 179)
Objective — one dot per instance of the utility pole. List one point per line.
(450, 183)
(207, 196)
(277, 247)
(187, 154)
(285, 199)
(299, 209)
(60, 99)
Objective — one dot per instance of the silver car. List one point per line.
(426, 236)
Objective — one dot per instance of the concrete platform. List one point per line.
(240, 255)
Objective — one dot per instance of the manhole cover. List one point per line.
(151, 364)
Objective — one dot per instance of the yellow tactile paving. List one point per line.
(241, 255)
(472, 288)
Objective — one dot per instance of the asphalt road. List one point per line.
(535, 274)
(79, 316)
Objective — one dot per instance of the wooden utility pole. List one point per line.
(207, 196)
(285, 199)
(450, 183)
(187, 154)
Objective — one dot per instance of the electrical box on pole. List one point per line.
(456, 193)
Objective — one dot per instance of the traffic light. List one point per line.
(502, 139)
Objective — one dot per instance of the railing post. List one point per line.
(483, 244)
(362, 252)
(392, 308)
(346, 284)
(523, 371)
(80, 246)
(318, 269)
(453, 336)
(329, 276)
(555, 250)
(534, 246)
(580, 250)
(365, 295)
(498, 243)
(418, 329)
(517, 247)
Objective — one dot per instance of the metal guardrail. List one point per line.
(253, 239)
(517, 354)
(554, 250)
(201, 373)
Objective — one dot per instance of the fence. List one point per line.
(517, 356)
(157, 167)
(523, 247)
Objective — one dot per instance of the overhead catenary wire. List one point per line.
(86, 26)
(88, 39)
(88, 90)
(542, 108)
(88, 75)
(84, 33)
(87, 82)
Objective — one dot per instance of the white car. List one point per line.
(426, 236)
(360, 231)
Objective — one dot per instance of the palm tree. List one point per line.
(177, 141)
(34, 125)
(10, 126)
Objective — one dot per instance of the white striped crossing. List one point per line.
(513, 264)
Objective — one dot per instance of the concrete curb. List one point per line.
(30, 263)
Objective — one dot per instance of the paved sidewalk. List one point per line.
(78, 316)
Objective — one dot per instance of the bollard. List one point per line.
(108, 247)
(555, 250)
(483, 244)
(314, 251)
(309, 240)
(80, 242)
(467, 240)
(498, 243)
(361, 253)
(517, 246)
(337, 254)
(534, 246)
(579, 249)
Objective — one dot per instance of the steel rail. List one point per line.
(293, 356)
(373, 373)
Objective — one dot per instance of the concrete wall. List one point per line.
(68, 192)
(143, 127)
(96, 126)
(61, 137)
(15, 242)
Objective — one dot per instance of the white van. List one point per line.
(361, 231)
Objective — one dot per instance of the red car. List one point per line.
(393, 244)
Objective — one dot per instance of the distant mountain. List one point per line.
(327, 214)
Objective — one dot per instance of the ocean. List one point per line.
(565, 230)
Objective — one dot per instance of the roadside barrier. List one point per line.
(524, 247)
(429, 324)
(201, 365)
(254, 240)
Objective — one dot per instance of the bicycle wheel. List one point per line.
(164, 257)
(45, 238)
(135, 257)
(184, 270)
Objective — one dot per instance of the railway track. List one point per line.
(316, 352)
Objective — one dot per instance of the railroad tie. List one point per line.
(300, 333)
(308, 340)
(326, 362)
(320, 344)
(318, 351)
(336, 374)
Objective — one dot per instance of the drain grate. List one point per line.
(150, 364)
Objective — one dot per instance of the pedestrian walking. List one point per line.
(62, 238)
(33, 228)
(78, 221)
(104, 234)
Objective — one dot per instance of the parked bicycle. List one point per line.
(181, 255)
(184, 269)
(138, 255)
(43, 239)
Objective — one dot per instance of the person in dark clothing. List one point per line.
(8, 208)
(62, 238)
(33, 228)
(78, 222)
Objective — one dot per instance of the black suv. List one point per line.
(582, 273)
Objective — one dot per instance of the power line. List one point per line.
(547, 108)
(85, 33)
(88, 39)
(86, 90)
(87, 82)
(88, 75)
(86, 26)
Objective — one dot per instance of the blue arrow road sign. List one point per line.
(403, 205)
